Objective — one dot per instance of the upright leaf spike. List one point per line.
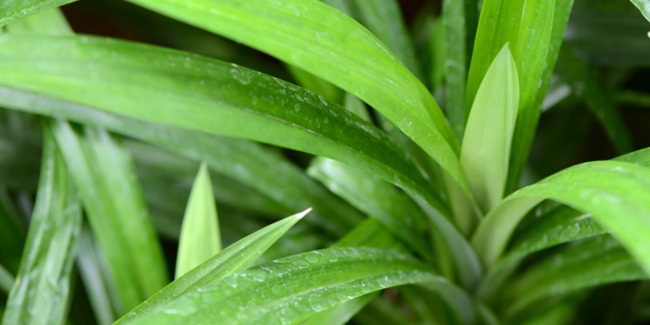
(490, 127)
(199, 239)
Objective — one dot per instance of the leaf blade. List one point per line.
(200, 238)
(46, 266)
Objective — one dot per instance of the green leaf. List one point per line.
(459, 19)
(401, 216)
(616, 194)
(558, 226)
(534, 30)
(228, 156)
(386, 21)
(105, 176)
(200, 238)
(12, 10)
(96, 278)
(380, 200)
(234, 258)
(300, 32)
(594, 262)
(193, 92)
(644, 7)
(291, 289)
(6, 280)
(42, 287)
(490, 127)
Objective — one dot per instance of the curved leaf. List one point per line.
(234, 258)
(333, 46)
(197, 93)
(291, 289)
(228, 156)
(616, 193)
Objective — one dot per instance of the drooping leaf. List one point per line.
(234, 258)
(485, 152)
(105, 176)
(291, 289)
(200, 238)
(356, 61)
(193, 92)
(615, 193)
(42, 287)
(226, 155)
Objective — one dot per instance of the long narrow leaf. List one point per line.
(105, 176)
(270, 174)
(291, 289)
(234, 258)
(336, 48)
(485, 153)
(200, 238)
(193, 92)
(459, 19)
(616, 193)
(40, 294)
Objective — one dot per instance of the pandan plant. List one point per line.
(472, 162)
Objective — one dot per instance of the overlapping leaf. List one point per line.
(329, 44)
(45, 273)
(616, 193)
(197, 93)
(291, 289)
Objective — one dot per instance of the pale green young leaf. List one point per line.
(199, 238)
(333, 46)
(485, 152)
(105, 176)
(534, 30)
(235, 258)
(616, 193)
(193, 92)
(291, 289)
(41, 291)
